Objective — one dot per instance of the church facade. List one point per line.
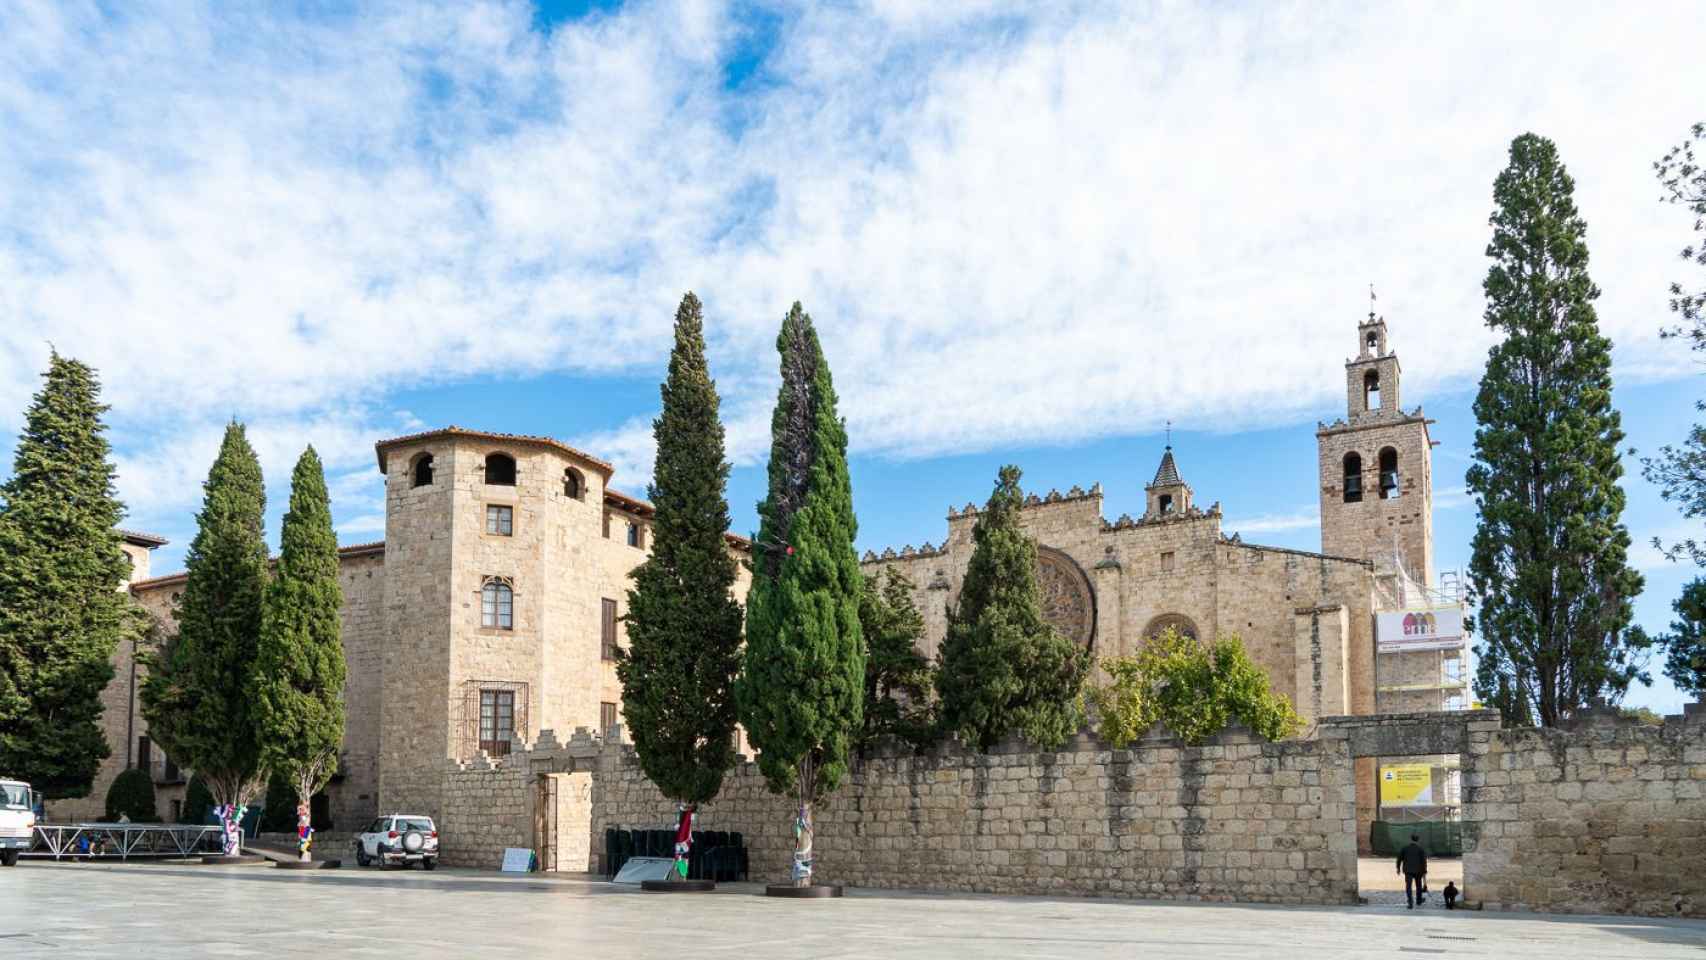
(492, 609)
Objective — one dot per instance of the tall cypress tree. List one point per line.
(1004, 668)
(298, 681)
(197, 695)
(801, 693)
(684, 626)
(62, 613)
(1548, 571)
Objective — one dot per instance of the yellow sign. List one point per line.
(1407, 785)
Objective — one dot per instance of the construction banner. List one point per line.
(1407, 785)
(1437, 628)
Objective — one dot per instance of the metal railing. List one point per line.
(121, 841)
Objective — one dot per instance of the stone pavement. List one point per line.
(1379, 882)
(142, 912)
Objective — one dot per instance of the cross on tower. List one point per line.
(1371, 301)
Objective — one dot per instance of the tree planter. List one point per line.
(308, 864)
(678, 886)
(816, 891)
(241, 860)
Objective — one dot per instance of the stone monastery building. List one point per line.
(491, 610)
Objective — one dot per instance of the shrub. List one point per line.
(132, 794)
(197, 801)
(1194, 690)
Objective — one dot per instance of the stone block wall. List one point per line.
(1235, 819)
(487, 806)
(1607, 817)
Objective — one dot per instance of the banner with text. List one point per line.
(1439, 628)
(1407, 785)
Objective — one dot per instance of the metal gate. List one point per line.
(545, 821)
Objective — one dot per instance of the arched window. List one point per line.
(422, 470)
(1371, 390)
(1353, 478)
(497, 604)
(1176, 621)
(500, 469)
(1165, 502)
(1373, 341)
(1388, 473)
(573, 486)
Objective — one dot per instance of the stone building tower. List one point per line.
(1377, 466)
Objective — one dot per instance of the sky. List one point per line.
(1028, 233)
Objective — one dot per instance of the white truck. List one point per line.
(17, 821)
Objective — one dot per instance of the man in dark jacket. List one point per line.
(1413, 864)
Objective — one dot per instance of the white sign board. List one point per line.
(639, 869)
(1400, 631)
(517, 859)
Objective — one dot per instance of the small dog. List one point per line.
(1451, 895)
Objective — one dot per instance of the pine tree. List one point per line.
(1685, 645)
(197, 694)
(1004, 668)
(62, 614)
(801, 693)
(684, 626)
(298, 682)
(898, 679)
(1548, 571)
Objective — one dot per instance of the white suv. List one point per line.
(398, 838)
(17, 820)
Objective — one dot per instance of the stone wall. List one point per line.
(1607, 817)
(487, 806)
(1235, 819)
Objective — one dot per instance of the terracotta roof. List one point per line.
(149, 540)
(353, 550)
(1167, 475)
(455, 431)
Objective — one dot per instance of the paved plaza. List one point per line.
(141, 912)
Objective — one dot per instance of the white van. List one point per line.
(17, 821)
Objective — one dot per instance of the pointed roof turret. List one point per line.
(1167, 475)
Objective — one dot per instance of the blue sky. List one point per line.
(1029, 233)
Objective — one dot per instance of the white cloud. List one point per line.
(1276, 522)
(1011, 225)
(1452, 498)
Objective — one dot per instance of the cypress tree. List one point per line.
(197, 695)
(62, 613)
(1548, 571)
(898, 679)
(684, 626)
(802, 690)
(299, 671)
(1004, 668)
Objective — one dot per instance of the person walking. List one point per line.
(1413, 864)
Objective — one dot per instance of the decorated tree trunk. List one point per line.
(803, 846)
(304, 830)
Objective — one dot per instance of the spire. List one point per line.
(1167, 475)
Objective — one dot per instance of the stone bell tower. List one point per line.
(1377, 466)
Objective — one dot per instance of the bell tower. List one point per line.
(1377, 465)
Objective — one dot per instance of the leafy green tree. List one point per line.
(198, 692)
(1194, 690)
(684, 626)
(197, 801)
(298, 680)
(1680, 471)
(898, 679)
(1004, 668)
(1549, 571)
(1685, 645)
(61, 612)
(131, 794)
(800, 694)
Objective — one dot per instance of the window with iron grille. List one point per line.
(607, 718)
(497, 604)
(500, 520)
(607, 634)
(497, 721)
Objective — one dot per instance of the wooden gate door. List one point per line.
(545, 822)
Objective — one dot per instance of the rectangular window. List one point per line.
(1167, 562)
(497, 721)
(607, 718)
(607, 631)
(633, 534)
(499, 520)
(144, 753)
